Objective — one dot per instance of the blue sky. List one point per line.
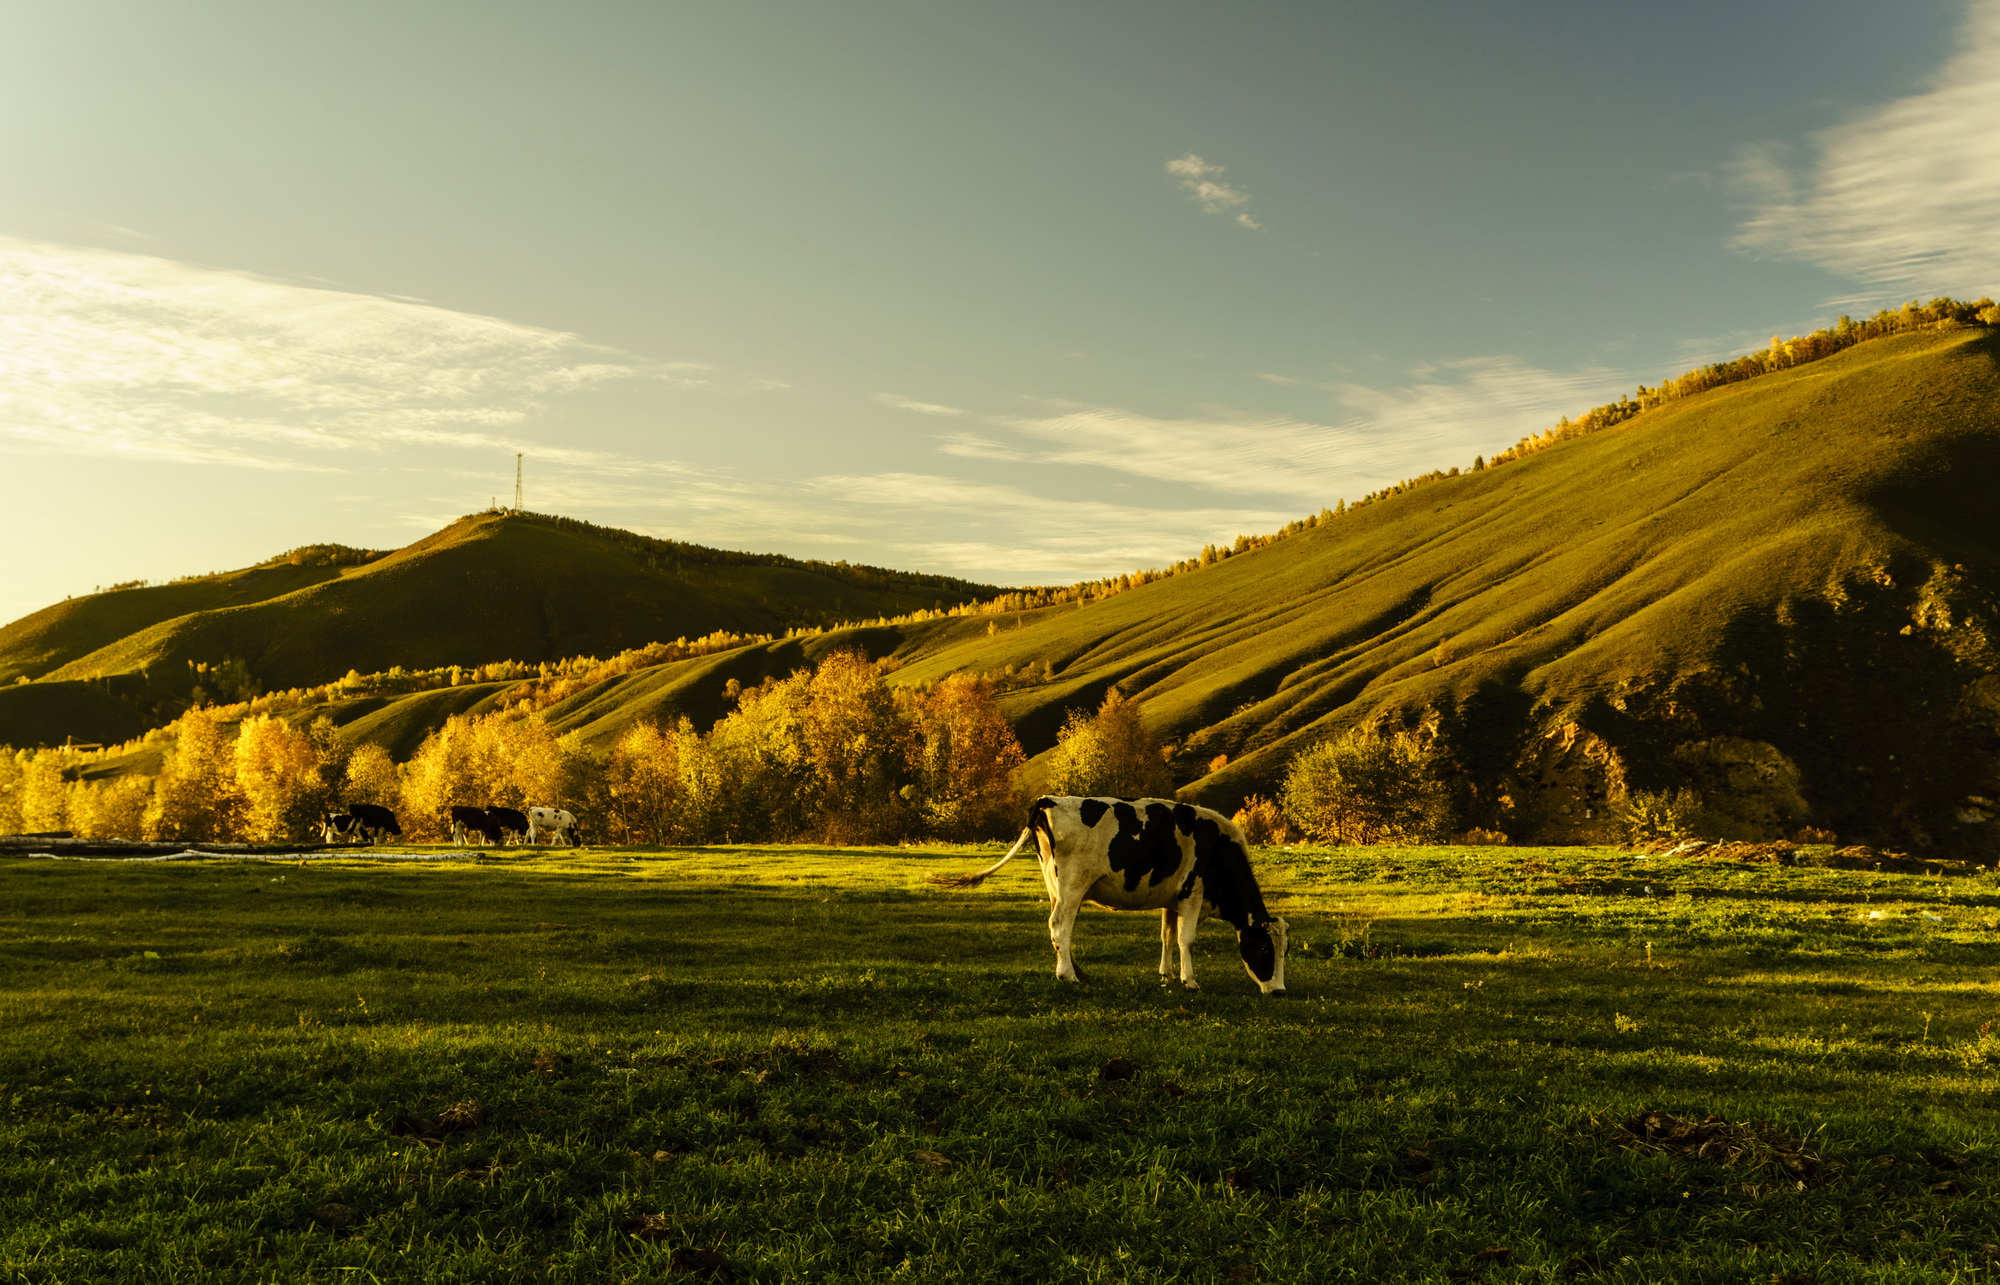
(1023, 292)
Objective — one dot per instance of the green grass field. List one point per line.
(807, 1064)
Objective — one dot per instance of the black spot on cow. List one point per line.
(1092, 811)
(1184, 817)
(1038, 823)
(1259, 953)
(1147, 849)
(375, 817)
(1224, 868)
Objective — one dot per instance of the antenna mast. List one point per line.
(517, 481)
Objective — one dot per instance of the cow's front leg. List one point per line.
(1190, 923)
(1062, 924)
(1168, 934)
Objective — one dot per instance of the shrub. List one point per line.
(1362, 787)
(1110, 753)
(1648, 815)
(1263, 822)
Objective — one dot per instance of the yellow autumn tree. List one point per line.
(195, 798)
(963, 757)
(371, 777)
(113, 809)
(12, 762)
(278, 775)
(643, 785)
(44, 792)
(498, 760)
(854, 752)
(1110, 753)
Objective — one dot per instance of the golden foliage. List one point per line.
(1110, 753)
(195, 798)
(278, 775)
(1263, 822)
(1364, 787)
(963, 757)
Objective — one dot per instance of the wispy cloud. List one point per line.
(1031, 537)
(1198, 178)
(1905, 197)
(1442, 417)
(922, 408)
(111, 353)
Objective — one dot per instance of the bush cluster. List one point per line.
(832, 754)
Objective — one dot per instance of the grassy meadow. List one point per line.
(808, 1064)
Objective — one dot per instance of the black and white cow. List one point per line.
(1187, 862)
(338, 827)
(373, 821)
(512, 823)
(467, 822)
(553, 823)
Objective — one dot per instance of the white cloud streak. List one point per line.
(110, 353)
(1036, 538)
(1198, 178)
(922, 408)
(1906, 197)
(1442, 418)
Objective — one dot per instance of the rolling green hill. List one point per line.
(41, 643)
(493, 587)
(1781, 591)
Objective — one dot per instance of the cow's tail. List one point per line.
(974, 880)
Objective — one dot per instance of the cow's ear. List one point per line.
(1259, 955)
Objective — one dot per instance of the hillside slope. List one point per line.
(493, 587)
(48, 639)
(1780, 591)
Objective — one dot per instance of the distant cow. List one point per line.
(1186, 862)
(338, 827)
(373, 821)
(554, 824)
(466, 822)
(509, 822)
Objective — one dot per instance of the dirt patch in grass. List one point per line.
(456, 1118)
(1751, 1149)
(1782, 853)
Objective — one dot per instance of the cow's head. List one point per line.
(1263, 947)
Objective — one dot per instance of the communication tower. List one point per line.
(517, 481)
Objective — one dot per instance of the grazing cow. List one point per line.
(510, 822)
(470, 821)
(553, 823)
(374, 821)
(338, 827)
(1186, 862)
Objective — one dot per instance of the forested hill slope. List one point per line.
(492, 587)
(1780, 591)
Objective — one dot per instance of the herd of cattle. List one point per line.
(373, 823)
